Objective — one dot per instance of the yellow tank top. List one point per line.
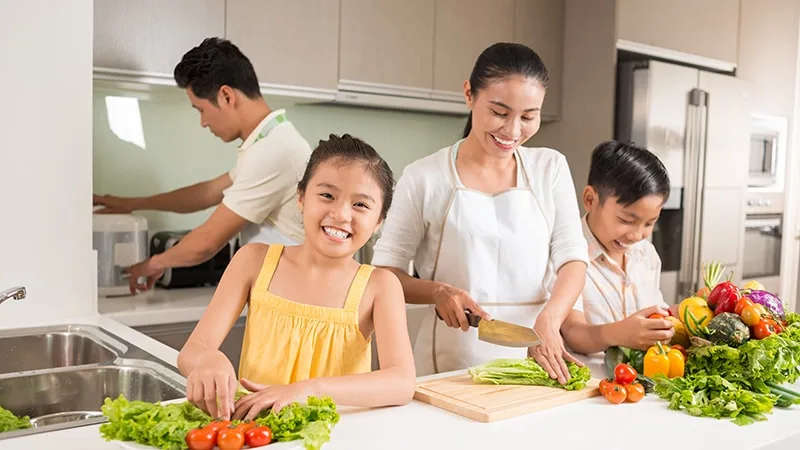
(285, 341)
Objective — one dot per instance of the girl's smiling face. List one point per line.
(341, 207)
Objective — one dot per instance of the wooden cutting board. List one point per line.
(488, 402)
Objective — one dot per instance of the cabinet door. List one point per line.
(152, 35)
(464, 28)
(539, 24)
(387, 42)
(292, 43)
(707, 28)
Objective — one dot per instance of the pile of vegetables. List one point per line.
(527, 372)
(10, 422)
(180, 426)
(744, 348)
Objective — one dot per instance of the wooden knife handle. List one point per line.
(472, 319)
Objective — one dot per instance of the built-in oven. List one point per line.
(763, 237)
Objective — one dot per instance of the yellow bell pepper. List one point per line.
(664, 360)
(695, 315)
(677, 363)
(656, 361)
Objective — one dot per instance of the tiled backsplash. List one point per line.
(170, 150)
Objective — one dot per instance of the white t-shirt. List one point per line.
(414, 225)
(269, 164)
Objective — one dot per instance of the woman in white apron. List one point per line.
(489, 225)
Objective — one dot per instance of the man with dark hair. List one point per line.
(258, 197)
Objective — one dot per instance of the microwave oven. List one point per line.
(768, 136)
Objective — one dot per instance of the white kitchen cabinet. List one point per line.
(388, 43)
(768, 54)
(292, 43)
(708, 28)
(463, 29)
(539, 24)
(151, 35)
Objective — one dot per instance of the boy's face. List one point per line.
(617, 227)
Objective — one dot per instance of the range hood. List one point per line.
(348, 93)
(381, 96)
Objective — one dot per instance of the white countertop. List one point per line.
(592, 423)
(157, 306)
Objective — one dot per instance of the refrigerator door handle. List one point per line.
(694, 166)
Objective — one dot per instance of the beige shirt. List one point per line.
(269, 164)
(611, 294)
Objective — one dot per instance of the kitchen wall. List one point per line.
(589, 78)
(170, 150)
(46, 160)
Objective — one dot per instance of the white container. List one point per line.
(120, 241)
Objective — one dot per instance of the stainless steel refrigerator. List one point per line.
(698, 123)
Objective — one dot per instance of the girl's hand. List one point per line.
(266, 397)
(550, 354)
(212, 384)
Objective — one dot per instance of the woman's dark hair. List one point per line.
(504, 60)
(212, 64)
(348, 149)
(627, 172)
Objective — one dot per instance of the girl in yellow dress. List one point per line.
(312, 308)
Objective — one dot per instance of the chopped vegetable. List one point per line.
(527, 371)
(10, 422)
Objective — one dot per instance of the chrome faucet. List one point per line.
(16, 292)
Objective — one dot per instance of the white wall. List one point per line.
(45, 159)
(179, 152)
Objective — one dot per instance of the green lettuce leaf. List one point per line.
(527, 372)
(154, 424)
(311, 422)
(10, 422)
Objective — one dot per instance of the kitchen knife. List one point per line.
(502, 333)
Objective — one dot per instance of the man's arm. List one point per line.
(197, 247)
(196, 197)
(204, 241)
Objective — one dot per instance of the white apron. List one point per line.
(497, 249)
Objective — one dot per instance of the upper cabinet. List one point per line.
(152, 35)
(540, 25)
(462, 30)
(708, 28)
(388, 43)
(289, 43)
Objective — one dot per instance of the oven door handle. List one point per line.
(756, 224)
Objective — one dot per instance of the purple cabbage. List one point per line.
(771, 302)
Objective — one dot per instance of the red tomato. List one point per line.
(624, 373)
(656, 316)
(616, 394)
(216, 426)
(258, 436)
(244, 426)
(743, 303)
(230, 439)
(200, 439)
(605, 384)
(635, 392)
(763, 329)
(680, 349)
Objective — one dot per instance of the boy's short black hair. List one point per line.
(212, 64)
(627, 172)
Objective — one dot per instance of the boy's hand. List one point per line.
(640, 332)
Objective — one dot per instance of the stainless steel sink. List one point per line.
(62, 375)
(47, 350)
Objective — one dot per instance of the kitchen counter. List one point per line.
(158, 306)
(588, 424)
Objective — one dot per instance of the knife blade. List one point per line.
(502, 333)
